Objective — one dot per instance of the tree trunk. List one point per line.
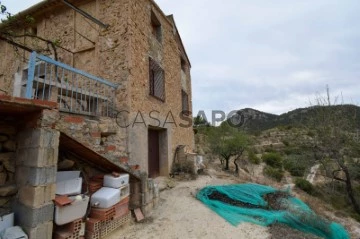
(348, 186)
(236, 165)
(350, 191)
(227, 160)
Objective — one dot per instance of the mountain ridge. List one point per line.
(254, 120)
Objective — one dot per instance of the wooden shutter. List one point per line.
(157, 82)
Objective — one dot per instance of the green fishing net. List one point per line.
(264, 205)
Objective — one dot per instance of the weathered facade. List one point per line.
(141, 51)
(32, 151)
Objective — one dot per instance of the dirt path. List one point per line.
(180, 215)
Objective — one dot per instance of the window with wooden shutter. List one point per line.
(157, 80)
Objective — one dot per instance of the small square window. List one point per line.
(156, 27)
(156, 80)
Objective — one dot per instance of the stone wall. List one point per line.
(8, 187)
(119, 53)
(167, 53)
(9, 66)
(100, 134)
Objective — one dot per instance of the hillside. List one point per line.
(257, 121)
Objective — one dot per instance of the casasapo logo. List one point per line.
(236, 118)
(239, 119)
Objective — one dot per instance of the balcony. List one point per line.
(74, 90)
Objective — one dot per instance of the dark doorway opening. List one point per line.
(154, 153)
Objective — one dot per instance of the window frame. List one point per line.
(156, 72)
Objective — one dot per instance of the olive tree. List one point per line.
(228, 143)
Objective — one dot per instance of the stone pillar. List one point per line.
(8, 189)
(37, 155)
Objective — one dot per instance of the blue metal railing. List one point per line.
(76, 91)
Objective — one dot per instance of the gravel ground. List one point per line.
(181, 215)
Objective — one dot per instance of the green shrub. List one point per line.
(298, 171)
(253, 158)
(273, 159)
(274, 173)
(304, 185)
(295, 166)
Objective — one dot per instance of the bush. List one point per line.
(273, 159)
(253, 158)
(295, 166)
(304, 185)
(274, 173)
(297, 171)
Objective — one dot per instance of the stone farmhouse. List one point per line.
(104, 83)
(136, 47)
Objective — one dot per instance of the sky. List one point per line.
(270, 55)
